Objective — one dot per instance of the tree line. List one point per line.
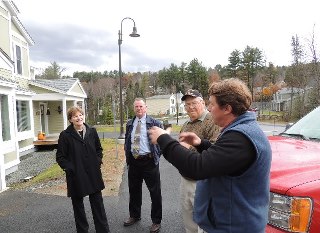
(249, 65)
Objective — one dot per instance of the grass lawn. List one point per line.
(273, 117)
(107, 128)
(52, 173)
(176, 128)
(110, 128)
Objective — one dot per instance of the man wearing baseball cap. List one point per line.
(200, 122)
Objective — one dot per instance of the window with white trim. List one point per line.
(18, 60)
(23, 115)
(5, 121)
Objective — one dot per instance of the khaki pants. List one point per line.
(187, 192)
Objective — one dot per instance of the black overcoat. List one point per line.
(81, 160)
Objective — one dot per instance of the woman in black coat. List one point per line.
(79, 154)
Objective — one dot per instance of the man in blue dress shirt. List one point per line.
(142, 158)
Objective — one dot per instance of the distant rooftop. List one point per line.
(159, 97)
(58, 84)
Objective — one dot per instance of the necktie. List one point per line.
(136, 140)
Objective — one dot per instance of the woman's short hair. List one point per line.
(73, 110)
(233, 92)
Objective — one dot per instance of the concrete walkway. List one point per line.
(23, 212)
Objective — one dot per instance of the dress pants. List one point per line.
(146, 170)
(98, 213)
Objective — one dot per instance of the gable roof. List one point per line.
(6, 56)
(287, 90)
(63, 86)
(23, 30)
(14, 11)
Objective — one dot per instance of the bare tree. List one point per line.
(314, 97)
(297, 74)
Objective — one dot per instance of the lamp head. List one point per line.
(59, 109)
(134, 32)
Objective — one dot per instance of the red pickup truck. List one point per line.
(295, 177)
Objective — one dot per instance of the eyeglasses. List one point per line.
(191, 105)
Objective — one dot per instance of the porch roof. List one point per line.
(62, 86)
(7, 82)
(24, 91)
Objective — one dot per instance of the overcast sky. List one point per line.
(83, 35)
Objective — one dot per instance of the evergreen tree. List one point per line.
(52, 72)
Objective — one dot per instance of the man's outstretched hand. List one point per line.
(189, 138)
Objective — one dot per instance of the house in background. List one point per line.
(52, 101)
(281, 99)
(160, 105)
(27, 105)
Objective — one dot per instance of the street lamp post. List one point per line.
(133, 34)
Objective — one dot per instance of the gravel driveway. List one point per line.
(31, 165)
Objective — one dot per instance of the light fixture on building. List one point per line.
(59, 109)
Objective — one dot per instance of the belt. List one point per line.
(144, 157)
